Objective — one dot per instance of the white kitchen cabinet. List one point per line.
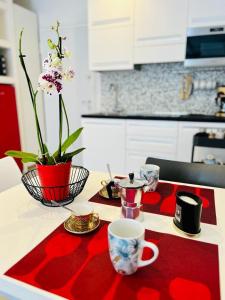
(104, 140)
(126, 144)
(149, 138)
(185, 141)
(111, 48)
(160, 30)
(110, 24)
(105, 12)
(206, 13)
(134, 160)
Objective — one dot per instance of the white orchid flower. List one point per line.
(68, 74)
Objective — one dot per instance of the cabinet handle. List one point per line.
(160, 37)
(116, 63)
(103, 123)
(110, 21)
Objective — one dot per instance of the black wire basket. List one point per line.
(66, 194)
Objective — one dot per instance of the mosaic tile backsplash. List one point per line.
(155, 89)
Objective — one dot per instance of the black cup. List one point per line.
(109, 187)
(188, 212)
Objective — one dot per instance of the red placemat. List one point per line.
(163, 200)
(79, 267)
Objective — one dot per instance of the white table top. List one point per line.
(25, 222)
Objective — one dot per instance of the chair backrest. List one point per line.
(195, 173)
(10, 174)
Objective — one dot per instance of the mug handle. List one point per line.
(154, 248)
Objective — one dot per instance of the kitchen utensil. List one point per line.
(83, 216)
(110, 186)
(187, 87)
(104, 193)
(110, 190)
(131, 194)
(72, 227)
(211, 160)
(151, 174)
(126, 243)
(57, 203)
(188, 212)
(220, 101)
(109, 171)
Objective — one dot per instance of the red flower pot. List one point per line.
(54, 180)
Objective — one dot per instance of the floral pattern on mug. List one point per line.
(152, 177)
(124, 254)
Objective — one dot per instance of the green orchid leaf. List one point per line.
(46, 152)
(21, 154)
(26, 160)
(50, 159)
(70, 155)
(69, 141)
(51, 44)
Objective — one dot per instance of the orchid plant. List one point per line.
(50, 82)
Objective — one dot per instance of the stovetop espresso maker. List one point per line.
(220, 101)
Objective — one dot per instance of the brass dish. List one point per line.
(103, 193)
(72, 227)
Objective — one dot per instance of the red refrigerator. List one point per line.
(9, 134)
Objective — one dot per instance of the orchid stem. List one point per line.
(60, 125)
(33, 96)
(67, 120)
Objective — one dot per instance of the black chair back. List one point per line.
(194, 173)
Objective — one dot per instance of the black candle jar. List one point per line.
(188, 212)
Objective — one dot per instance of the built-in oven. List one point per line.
(205, 46)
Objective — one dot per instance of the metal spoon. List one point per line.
(109, 171)
(60, 205)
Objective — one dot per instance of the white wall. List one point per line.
(72, 14)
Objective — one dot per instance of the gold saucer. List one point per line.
(71, 226)
(103, 193)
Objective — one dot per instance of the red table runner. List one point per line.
(79, 267)
(163, 200)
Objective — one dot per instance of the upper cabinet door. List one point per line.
(111, 48)
(103, 12)
(111, 34)
(160, 30)
(206, 13)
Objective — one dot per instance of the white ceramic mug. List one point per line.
(150, 173)
(126, 243)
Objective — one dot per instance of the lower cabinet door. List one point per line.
(134, 160)
(10, 137)
(105, 143)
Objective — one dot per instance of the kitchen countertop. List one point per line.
(169, 117)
